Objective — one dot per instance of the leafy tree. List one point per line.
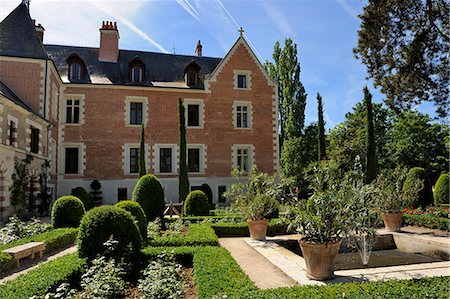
(141, 162)
(21, 179)
(291, 94)
(183, 186)
(405, 46)
(416, 141)
(348, 139)
(293, 163)
(321, 136)
(311, 151)
(371, 159)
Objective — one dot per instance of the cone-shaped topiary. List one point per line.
(196, 204)
(67, 211)
(138, 213)
(84, 196)
(149, 193)
(105, 222)
(442, 190)
(425, 196)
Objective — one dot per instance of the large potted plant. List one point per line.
(391, 198)
(254, 197)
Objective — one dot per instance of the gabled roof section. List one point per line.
(160, 68)
(240, 41)
(18, 37)
(9, 94)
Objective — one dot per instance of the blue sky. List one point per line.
(324, 30)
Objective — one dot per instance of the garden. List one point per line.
(130, 251)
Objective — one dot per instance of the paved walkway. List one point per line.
(257, 267)
(32, 264)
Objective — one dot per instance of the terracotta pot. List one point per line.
(258, 229)
(392, 221)
(320, 259)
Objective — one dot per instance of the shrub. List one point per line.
(428, 221)
(16, 229)
(425, 196)
(442, 190)
(84, 196)
(137, 212)
(199, 235)
(100, 223)
(67, 211)
(150, 195)
(196, 204)
(208, 192)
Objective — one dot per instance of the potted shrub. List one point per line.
(255, 199)
(392, 198)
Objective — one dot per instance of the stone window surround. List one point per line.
(126, 157)
(249, 114)
(251, 154)
(8, 132)
(156, 158)
(247, 74)
(202, 154)
(136, 99)
(81, 158)
(34, 124)
(67, 97)
(201, 112)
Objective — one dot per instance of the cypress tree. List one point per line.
(141, 160)
(371, 159)
(183, 184)
(321, 125)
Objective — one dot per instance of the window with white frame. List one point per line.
(242, 114)
(165, 158)
(136, 110)
(243, 157)
(194, 112)
(13, 124)
(196, 158)
(73, 109)
(242, 79)
(72, 161)
(130, 158)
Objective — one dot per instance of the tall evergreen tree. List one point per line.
(141, 160)
(183, 184)
(371, 158)
(291, 94)
(321, 135)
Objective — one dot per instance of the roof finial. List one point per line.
(27, 4)
(241, 31)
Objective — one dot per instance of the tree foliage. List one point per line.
(183, 186)
(371, 158)
(405, 46)
(322, 154)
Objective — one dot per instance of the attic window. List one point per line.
(137, 69)
(192, 74)
(75, 67)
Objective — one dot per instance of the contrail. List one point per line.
(131, 26)
(189, 8)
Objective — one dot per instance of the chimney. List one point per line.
(109, 42)
(39, 30)
(198, 49)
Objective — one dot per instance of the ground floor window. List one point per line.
(165, 160)
(71, 160)
(122, 194)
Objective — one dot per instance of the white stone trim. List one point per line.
(66, 97)
(55, 97)
(201, 104)
(42, 88)
(248, 76)
(81, 158)
(276, 141)
(8, 132)
(251, 154)
(249, 106)
(156, 158)
(1, 123)
(135, 99)
(126, 157)
(203, 157)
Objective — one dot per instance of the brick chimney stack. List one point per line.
(109, 42)
(39, 30)
(198, 49)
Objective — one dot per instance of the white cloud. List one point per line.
(348, 8)
(278, 18)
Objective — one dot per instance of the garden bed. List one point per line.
(432, 217)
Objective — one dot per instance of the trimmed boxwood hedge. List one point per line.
(84, 196)
(54, 239)
(199, 234)
(137, 212)
(67, 211)
(230, 229)
(425, 196)
(196, 204)
(442, 190)
(39, 280)
(149, 193)
(427, 221)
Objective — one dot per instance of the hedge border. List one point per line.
(428, 221)
(240, 229)
(199, 234)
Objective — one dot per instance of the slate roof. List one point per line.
(18, 37)
(164, 70)
(8, 93)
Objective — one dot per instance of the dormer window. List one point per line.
(137, 69)
(191, 73)
(75, 67)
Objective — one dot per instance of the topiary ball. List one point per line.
(105, 222)
(149, 193)
(442, 190)
(196, 204)
(137, 212)
(84, 196)
(425, 196)
(67, 211)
